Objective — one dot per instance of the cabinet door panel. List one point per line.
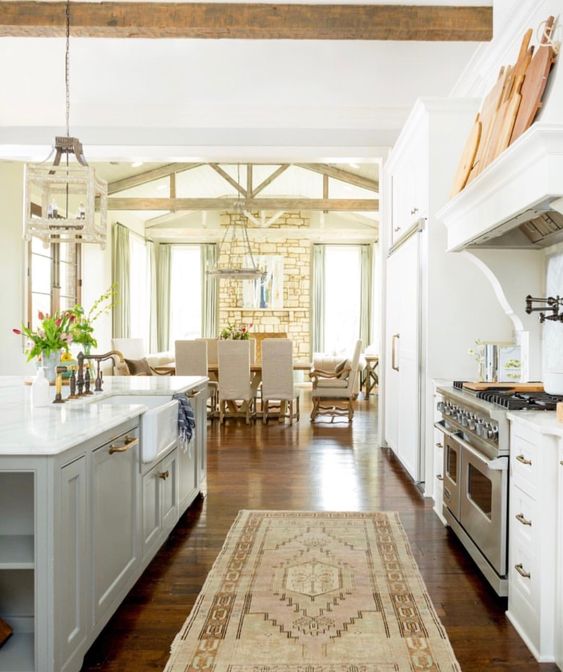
(115, 514)
(168, 475)
(559, 601)
(151, 523)
(71, 567)
(187, 473)
(393, 328)
(201, 435)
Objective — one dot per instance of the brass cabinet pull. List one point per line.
(130, 441)
(439, 445)
(439, 477)
(520, 569)
(561, 463)
(523, 460)
(521, 519)
(164, 474)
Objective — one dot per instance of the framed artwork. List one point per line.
(266, 292)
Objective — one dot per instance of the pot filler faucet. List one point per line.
(551, 303)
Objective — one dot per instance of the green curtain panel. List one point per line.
(120, 278)
(163, 296)
(153, 314)
(209, 292)
(366, 294)
(318, 299)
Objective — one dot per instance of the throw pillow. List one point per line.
(139, 367)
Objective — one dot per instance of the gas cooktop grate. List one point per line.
(517, 401)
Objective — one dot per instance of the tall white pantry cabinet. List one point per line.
(431, 317)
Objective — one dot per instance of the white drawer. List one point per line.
(524, 521)
(523, 592)
(524, 465)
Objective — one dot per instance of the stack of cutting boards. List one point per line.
(509, 108)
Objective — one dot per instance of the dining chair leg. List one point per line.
(248, 412)
(221, 411)
(291, 412)
(265, 409)
(350, 410)
(298, 402)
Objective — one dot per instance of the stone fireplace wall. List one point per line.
(295, 316)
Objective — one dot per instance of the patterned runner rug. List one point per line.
(294, 591)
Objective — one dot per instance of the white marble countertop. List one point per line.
(55, 428)
(544, 422)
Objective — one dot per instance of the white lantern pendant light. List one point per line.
(236, 265)
(60, 200)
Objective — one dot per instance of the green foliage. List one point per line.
(236, 333)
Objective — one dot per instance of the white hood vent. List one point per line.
(517, 202)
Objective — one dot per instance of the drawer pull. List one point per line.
(439, 445)
(523, 460)
(130, 441)
(520, 569)
(439, 477)
(561, 463)
(521, 519)
(164, 474)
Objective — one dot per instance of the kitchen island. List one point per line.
(89, 491)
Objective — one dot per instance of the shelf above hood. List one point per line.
(517, 201)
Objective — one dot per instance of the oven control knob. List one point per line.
(492, 432)
(448, 409)
(480, 427)
(465, 419)
(441, 406)
(472, 423)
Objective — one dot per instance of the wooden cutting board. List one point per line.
(487, 117)
(5, 632)
(535, 82)
(517, 387)
(508, 112)
(468, 157)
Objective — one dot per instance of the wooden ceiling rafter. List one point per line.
(341, 175)
(250, 21)
(150, 176)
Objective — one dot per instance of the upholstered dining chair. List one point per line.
(191, 360)
(277, 378)
(211, 350)
(335, 396)
(234, 380)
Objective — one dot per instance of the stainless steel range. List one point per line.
(476, 449)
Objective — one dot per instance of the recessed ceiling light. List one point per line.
(136, 164)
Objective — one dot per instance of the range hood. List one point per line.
(517, 201)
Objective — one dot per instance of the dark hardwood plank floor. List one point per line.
(321, 467)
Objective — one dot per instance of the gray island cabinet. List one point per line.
(89, 491)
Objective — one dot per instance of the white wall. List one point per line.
(12, 269)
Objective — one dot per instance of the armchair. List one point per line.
(334, 395)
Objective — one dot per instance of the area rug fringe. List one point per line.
(292, 591)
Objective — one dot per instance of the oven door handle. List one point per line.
(499, 464)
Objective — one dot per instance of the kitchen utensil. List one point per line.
(5, 632)
(535, 82)
(517, 387)
(468, 157)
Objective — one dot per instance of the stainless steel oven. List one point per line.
(476, 484)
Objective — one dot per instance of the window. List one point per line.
(342, 297)
(139, 289)
(185, 292)
(53, 278)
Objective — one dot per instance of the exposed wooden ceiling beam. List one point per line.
(149, 176)
(342, 175)
(217, 168)
(254, 204)
(270, 179)
(21, 18)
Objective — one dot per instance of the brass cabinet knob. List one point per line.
(164, 474)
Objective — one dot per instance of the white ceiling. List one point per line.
(181, 100)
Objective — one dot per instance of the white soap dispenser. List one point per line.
(40, 389)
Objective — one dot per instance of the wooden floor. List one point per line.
(324, 467)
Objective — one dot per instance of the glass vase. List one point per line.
(50, 361)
